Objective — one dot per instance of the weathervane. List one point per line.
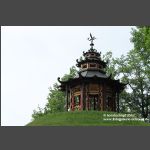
(92, 38)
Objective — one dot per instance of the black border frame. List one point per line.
(70, 13)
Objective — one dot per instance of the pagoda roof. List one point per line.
(92, 51)
(91, 73)
(93, 60)
(91, 76)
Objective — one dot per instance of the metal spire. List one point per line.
(92, 38)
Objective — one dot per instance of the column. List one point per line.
(88, 102)
(70, 98)
(81, 97)
(66, 97)
(99, 98)
(87, 97)
(84, 97)
(73, 102)
(103, 97)
(114, 100)
(117, 102)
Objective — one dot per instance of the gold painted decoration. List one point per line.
(94, 87)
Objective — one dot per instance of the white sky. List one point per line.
(32, 57)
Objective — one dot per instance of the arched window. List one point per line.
(92, 54)
(108, 101)
(92, 65)
(77, 102)
(99, 66)
(84, 66)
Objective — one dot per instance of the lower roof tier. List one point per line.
(91, 77)
(91, 73)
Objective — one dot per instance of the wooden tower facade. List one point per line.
(91, 88)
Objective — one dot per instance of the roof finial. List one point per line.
(92, 38)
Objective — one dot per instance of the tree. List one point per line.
(37, 113)
(134, 69)
(72, 73)
(141, 41)
(110, 68)
(55, 98)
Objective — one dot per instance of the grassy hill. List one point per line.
(85, 118)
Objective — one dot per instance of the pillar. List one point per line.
(99, 98)
(114, 100)
(118, 102)
(103, 97)
(66, 97)
(70, 98)
(73, 102)
(87, 97)
(81, 97)
(84, 97)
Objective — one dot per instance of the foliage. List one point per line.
(72, 73)
(111, 68)
(141, 40)
(134, 69)
(56, 98)
(141, 57)
(37, 113)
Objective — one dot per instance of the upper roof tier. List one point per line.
(91, 57)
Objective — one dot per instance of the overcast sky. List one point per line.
(32, 57)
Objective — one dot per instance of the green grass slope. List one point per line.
(84, 118)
